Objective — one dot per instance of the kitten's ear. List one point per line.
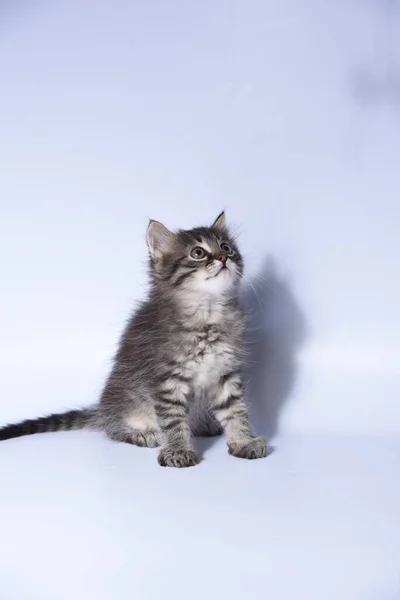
(220, 221)
(159, 239)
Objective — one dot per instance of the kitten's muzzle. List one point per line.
(223, 258)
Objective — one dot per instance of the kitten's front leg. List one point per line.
(172, 411)
(230, 409)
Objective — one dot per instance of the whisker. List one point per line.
(247, 280)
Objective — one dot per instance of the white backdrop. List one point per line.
(284, 113)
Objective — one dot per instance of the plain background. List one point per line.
(286, 114)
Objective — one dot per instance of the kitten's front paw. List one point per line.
(180, 457)
(253, 448)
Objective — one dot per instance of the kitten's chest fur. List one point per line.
(211, 348)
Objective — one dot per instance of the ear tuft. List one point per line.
(220, 221)
(159, 238)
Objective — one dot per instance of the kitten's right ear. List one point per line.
(220, 221)
(159, 239)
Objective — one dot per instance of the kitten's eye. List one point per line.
(226, 248)
(198, 253)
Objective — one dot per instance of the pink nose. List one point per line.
(222, 257)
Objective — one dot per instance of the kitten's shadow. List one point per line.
(276, 330)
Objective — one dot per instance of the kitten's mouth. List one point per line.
(222, 269)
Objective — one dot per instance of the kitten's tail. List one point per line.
(72, 419)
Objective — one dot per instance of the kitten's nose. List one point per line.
(223, 258)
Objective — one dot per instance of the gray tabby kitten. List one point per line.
(177, 372)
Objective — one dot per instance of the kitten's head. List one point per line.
(200, 260)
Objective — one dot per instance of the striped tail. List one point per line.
(72, 419)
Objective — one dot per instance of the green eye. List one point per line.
(226, 248)
(198, 253)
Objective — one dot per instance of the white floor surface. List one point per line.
(86, 519)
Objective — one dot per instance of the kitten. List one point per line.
(177, 371)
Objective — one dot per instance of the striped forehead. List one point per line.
(205, 244)
(204, 238)
(207, 241)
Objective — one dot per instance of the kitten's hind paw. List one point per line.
(148, 439)
(253, 448)
(181, 457)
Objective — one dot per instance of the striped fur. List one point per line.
(177, 372)
(67, 421)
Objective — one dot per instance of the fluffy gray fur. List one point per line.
(178, 369)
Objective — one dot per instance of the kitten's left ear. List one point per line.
(159, 239)
(220, 221)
